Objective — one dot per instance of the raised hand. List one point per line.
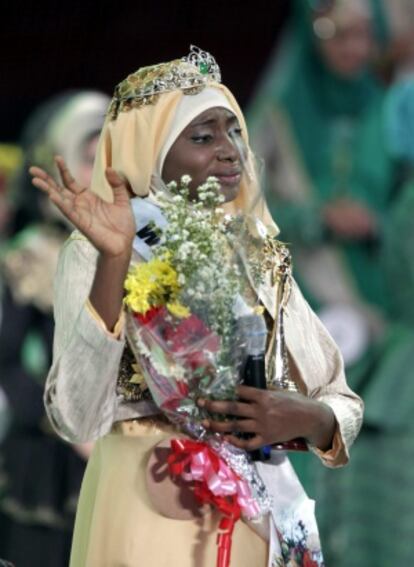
(110, 227)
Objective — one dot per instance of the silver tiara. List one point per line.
(190, 74)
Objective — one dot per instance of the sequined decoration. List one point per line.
(190, 74)
(240, 463)
(131, 384)
(29, 268)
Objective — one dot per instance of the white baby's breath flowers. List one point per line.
(186, 180)
(196, 243)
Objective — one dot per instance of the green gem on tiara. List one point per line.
(204, 62)
(203, 68)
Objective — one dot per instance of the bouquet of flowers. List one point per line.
(184, 303)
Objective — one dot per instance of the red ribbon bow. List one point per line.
(214, 483)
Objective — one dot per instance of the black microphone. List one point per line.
(253, 333)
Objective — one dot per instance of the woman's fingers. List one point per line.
(43, 180)
(37, 171)
(41, 184)
(113, 177)
(227, 407)
(62, 198)
(246, 444)
(231, 426)
(120, 186)
(67, 178)
(248, 393)
(46, 183)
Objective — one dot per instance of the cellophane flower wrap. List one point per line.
(182, 306)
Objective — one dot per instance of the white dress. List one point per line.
(117, 523)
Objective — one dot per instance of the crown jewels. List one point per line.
(190, 74)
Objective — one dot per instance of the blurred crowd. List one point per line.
(40, 475)
(332, 123)
(332, 120)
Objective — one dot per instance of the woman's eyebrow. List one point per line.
(233, 119)
(203, 122)
(212, 120)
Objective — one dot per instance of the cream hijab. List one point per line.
(137, 141)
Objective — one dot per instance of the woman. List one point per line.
(166, 121)
(40, 475)
(375, 492)
(379, 484)
(318, 124)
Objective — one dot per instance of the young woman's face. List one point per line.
(351, 49)
(209, 145)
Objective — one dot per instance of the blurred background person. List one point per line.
(317, 121)
(339, 156)
(40, 475)
(369, 524)
(10, 159)
(398, 57)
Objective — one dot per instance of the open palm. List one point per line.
(110, 227)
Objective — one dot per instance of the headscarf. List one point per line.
(59, 126)
(187, 109)
(147, 114)
(333, 127)
(62, 125)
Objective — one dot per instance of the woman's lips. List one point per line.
(230, 179)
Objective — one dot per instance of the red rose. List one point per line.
(183, 388)
(148, 316)
(188, 332)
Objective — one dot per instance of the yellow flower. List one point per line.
(178, 309)
(151, 284)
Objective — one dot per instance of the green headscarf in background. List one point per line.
(370, 524)
(337, 127)
(346, 142)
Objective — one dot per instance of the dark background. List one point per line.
(46, 47)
